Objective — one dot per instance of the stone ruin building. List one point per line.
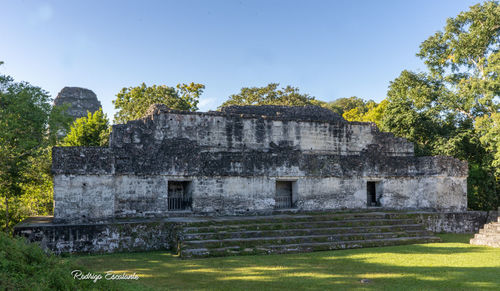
(249, 180)
(249, 159)
(80, 101)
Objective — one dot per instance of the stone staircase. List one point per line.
(292, 233)
(489, 235)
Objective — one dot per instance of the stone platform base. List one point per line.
(279, 233)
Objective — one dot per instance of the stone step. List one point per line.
(238, 220)
(485, 241)
(492, 225)
(297, 225)
(298, 232)
(259, 241)
(490, 230)
(493, 236)
(489, 235)
(303, 247)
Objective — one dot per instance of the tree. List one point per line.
(24, 117)
(270, 95)
(452, 109)
(36, 189)
(132, 103)
(412, 111)
(466, 57)
(342, 105)
(59, 124)
(374, 113)
(92, 130)
(489, 131)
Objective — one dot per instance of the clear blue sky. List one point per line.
(329, 49)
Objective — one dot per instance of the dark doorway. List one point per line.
(371, 191)
(179, 196)
(283, 198)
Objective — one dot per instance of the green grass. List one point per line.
(450, 265)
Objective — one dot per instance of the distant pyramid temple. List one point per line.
(79, 100)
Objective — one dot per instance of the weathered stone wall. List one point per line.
(140, 195)
(233, 159)
(83, 197)
(101, 237)
(190, 160)
(146, 196)
(232, 131)
(454, 222)
(392, 192)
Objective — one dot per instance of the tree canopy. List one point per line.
(342, 105)
(489, 132)
(453, 108)
(25, 112)
(372, 112)
(270, 95)
(24, 118)
(131, 103)
(92, 130)
(466, 57)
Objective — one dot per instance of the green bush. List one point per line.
(25, 266)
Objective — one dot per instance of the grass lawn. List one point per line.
(451, 265)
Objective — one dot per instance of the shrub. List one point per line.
(25, 266)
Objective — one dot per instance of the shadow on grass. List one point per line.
(456, 238)
(428, 250)
(453, 265)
